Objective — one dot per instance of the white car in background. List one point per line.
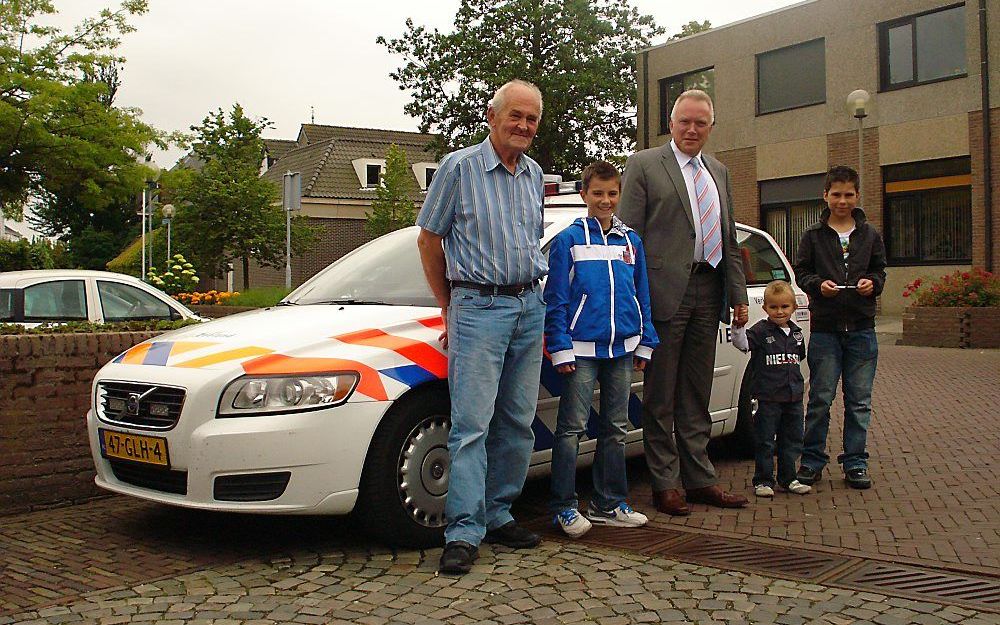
(31, 298)
(336, 400)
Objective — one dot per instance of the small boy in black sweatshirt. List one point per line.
(777, 347)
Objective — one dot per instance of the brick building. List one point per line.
(340, 169)
(780, 83)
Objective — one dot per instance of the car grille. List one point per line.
(153, 478)
(251, 486)
(159, 407)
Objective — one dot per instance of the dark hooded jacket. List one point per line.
(820, 258)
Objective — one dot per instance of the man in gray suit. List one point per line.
(679, 201)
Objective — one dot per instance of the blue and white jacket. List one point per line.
(597, 294)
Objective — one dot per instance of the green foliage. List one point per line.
(225, 210)
(129, 261)
(92, 249)
(65, 146)
(691, 28)
(963, 288)
(392, 207)
(85, 327)
(580, 53)
(261, 297)
(179, 277)
(40, 254)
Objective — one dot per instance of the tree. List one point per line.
(392, 208)
(225, 210)
(64, 146)
(691, 28)
(580, 53)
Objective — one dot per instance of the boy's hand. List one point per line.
(566, 368)
(829, 288)
(639, 364)
(865, 287)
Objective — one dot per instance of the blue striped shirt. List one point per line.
(491, 220)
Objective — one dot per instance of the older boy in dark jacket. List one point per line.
(841, 266)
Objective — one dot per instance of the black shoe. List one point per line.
(457, 557)
(858, 478)
(514, 536)
(807, 475)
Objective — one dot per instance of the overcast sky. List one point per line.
(188, 57)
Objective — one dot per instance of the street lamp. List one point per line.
(168, 214)
(857, 105)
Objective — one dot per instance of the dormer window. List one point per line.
(373, 174)
(424, 173)
(369, 171)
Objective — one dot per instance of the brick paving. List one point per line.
(935, 503)
(935, 447)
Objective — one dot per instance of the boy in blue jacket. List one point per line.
(598, 328)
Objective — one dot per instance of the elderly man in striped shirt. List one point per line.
(485, 206)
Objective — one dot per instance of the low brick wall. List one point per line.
(45, 383)
(963, 327)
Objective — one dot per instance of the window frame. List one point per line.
(882, 45)
(757, 58)
(54, 318)
(664, 115)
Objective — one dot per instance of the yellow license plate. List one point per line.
(147, 449)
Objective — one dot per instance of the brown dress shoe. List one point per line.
(715, 496)
(671, 502)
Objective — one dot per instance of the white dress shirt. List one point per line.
(683, 161)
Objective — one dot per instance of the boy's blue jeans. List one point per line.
(494, 360)
(832, 355)
(781, 420)
(610, 485)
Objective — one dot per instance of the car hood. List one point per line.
(384, 344)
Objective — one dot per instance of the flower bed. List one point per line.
(961, 309)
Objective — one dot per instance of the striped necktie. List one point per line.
(708, 211)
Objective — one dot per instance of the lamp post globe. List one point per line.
(167, 210)
(857, 105)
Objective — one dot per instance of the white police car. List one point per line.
(336, 399)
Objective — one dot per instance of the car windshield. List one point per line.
(385, 271)
(761, 262)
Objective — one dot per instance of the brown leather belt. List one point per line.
(493, 289)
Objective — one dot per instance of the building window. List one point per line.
(373, 175)
(791, 77)
(928, 212)
(428, 176)
(790, 205)
(922, 48)
(673, 86)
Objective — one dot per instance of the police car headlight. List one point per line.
(251, 396)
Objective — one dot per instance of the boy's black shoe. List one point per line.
(807, 475)
(457, 557)
(858, 478)
(514, 536)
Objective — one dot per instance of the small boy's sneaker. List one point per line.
(798, 488)
(858, 478)
(763, 490)
(621, 516)
(572, 522)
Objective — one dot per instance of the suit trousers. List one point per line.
(678, 385)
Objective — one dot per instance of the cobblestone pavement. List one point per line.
(935, 447)
(935, 503)
(555, 584)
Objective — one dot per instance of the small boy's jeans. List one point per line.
(610, 484)
(781, 421)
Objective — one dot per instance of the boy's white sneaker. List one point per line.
(798, 488)
(763, 490)
(572, 522)
(621, 516)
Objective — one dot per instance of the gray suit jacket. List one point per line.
(655, 204)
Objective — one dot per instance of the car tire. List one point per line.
(741, 441)
(405, 479)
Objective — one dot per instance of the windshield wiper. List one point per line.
(356, 302)
(286, 304)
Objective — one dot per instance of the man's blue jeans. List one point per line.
(610, 484)
(494, 362)
(832, 355)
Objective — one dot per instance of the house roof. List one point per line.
(276, 148)
(326, 164)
